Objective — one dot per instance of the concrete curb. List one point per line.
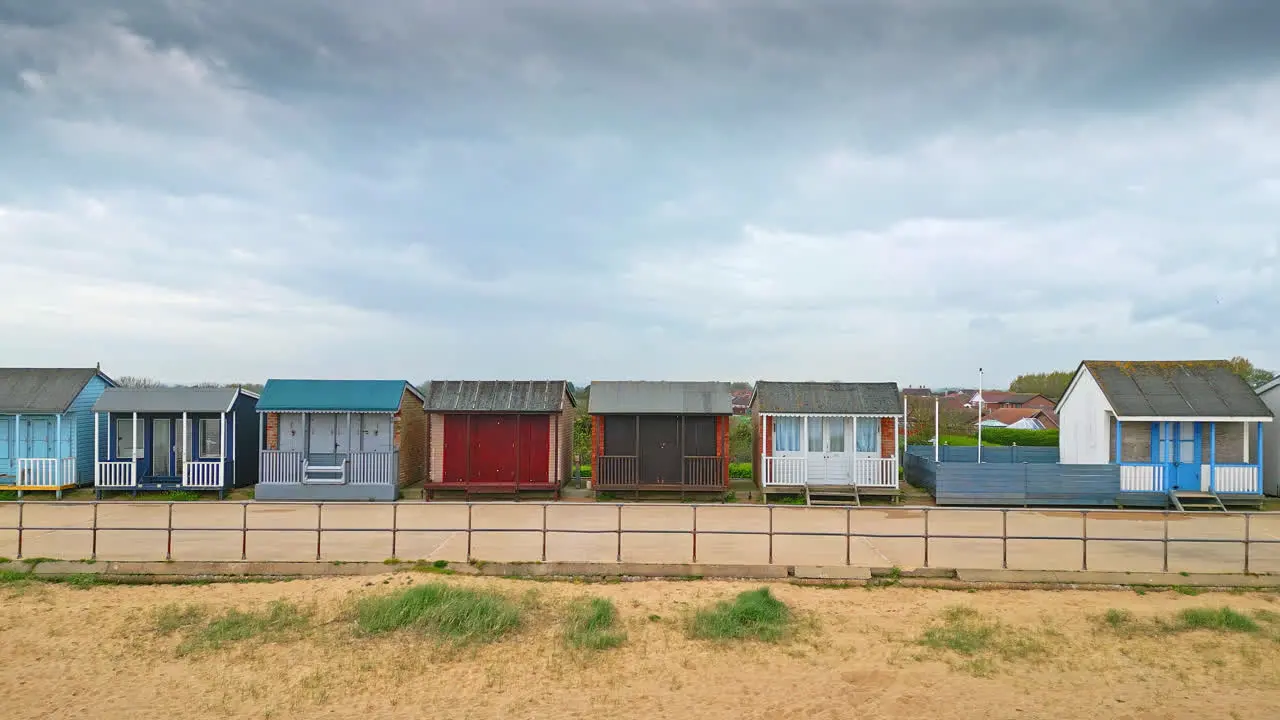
(803, 574)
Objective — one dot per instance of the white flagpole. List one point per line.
(979, 414)
(937, 425)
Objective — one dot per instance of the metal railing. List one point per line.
(202, 474)
(45, 472)
(855, 527)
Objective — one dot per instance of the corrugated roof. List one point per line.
(1176, 389)
(655, 397)
(881, 398)
(166, 400)
(514, 396)
(333, 395)
(41, 390)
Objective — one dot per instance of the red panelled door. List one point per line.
(493, 448)
(456, 448)
(535, 447)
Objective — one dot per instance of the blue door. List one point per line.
(39, 438)
(1186, 455)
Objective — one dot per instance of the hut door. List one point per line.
(660, 454)
(493, 449)
(161, 447)
(535, 448)
(39, 438)
(293, 432)
(456, 448)
(323, 437)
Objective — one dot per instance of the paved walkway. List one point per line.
(651, 533)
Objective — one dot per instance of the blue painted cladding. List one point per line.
(245, 448)
(960, 483)
(80, 413)
(965, 454)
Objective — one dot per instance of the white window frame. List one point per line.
(216, 425)
(134, 449)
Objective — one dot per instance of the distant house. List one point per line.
(816, 437)
(741, 400)
(46, 427)
(917, 392)
(1270, 394)
(175, 439)
(1021, 419)
(498, 436)
(660, 436)
(1185, 428)
(340, 439)
(993, 399)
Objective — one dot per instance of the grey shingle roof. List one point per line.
(660, 397)
(515, 396)
(41, 390)
(1178, 389)
(165, 400)
(880, 398)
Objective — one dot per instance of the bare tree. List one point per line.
(134, 381)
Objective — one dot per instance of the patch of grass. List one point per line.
(655, 618)
(8, 495)
(741, 470)
(731, 497)
(456, 614)
(439, 567)
(171, 618)
(1217, 620)
(4, 560)
(1118, 618)
(1187, 590)
(12, 577)
(752, 615)
(32, 562)
(592, 624)
(279, 621)
(181, 496)
(789, 500)
(81, 580)
(982, 643)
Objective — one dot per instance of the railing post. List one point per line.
(1084, 538)
(1247, 517)
(93, 547)
(544, 532)
(168, 549)
(770, 534)
(395, 526)
(468, 533)
(848, 536)
(319, 527)
(1165, 542)
(926, 537)
(244, 530)
(21, 506)
(619, 532)
(1004, 539)
(695, 533)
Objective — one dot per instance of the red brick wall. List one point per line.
(886, 437)
(597, 445)
(409, 436)
(273, 431)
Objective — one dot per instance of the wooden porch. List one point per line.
(698, 473)
(286, 467)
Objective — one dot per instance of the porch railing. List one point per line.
(617, 470)
(704, 471)
(202, 474)
(46, 472)
(1143, 477)
(374, 468)
(1234, 478)
(116, 474)
(277, 466)
(874, 472)
(783, 470)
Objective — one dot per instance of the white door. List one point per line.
(293, 432)
(375, 433)
(828, 447)
(323, 437)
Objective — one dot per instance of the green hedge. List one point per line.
(1022, 438)
(740, 470)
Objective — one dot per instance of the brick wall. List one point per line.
(1136, 438)
(597, 445)
(562, 465)
(410, 437)
(435, 447)
(273, 431)
(1230, 441)
(886, 437)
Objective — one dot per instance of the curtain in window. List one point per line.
(210, 438)
(868, 431)
(815, 435)
(835, 434)
(786, 434)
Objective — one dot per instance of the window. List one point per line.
(815, 435)
(868, 431)
(786, 434)
(835, 434)
(210, 438)
(126, 447)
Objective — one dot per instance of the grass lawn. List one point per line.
(965, 441)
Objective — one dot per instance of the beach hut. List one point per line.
(46, 427)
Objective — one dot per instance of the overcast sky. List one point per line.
(673, 189)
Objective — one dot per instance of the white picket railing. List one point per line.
(875, 472)
(786, 471)
(277, 466)
(116, 474)
(374, 468)
(202, 474)
(46, 472)
(1231, 478)
(1142, 478)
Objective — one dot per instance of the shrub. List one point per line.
(752, 615)
(1023, 438)
(592, 624)
(741, 470)
(438, 609)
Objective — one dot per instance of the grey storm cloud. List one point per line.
(628, 188)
